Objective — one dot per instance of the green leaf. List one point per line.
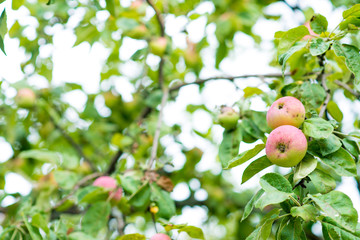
(96, 218)
(335, 111)
(16, 4)
(339, 207)
(135, 236)
(263, 229)
(342, 163)
(325, 146)
(290, 37)
(312, 94)
(129, 184)
(286, 55)
(92, 194)
(245, 156)
(305, 167)
(163, 200)
(141, 198)
(277, 189)
(318, 46)
(229, 147)
(251, 91)
(39, 221)
(271, 198)
(307, 212)
(193, 232)
(87, 33)
(292, 230)
(3, 30)
(353, 11)
(255, 167)
(336, 232)
(250, 205)
(317, 128)
(271, 182)
(33, 231)
(352, 147)
(221, 53)
(318, 23)
(66, 179)
(110, 6)
(323, 182)
(80, 236)
(349, 22)
(259, 118)
(250, 127)
(352, 59)
(42, 155)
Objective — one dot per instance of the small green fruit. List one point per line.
(158, 46)
(228, 118)
(139, 32)
(25, 98)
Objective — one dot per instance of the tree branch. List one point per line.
(322, 79)
(76, 187)
(158, 128)
(159, 17)
(230, 78)
(72, 142)
(346, 87)
(113, 162)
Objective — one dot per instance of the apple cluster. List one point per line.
(286, 145)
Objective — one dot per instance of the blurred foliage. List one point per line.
(61, 149)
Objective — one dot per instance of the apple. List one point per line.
(110, 184)
(160, 236)
(228, 118)
(139, 6)
(191, 57)
(138, 32)
(286, 146)
(158, 46)
(25, 98)
(286, 111)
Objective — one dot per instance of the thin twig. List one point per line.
(72, 142)
(199, 81)
(76, 187)
(322, 78)
(230, 78)
(159, 17)
(112, 166)
(346, 87)
(158, 128)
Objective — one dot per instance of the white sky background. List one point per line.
(83, 64)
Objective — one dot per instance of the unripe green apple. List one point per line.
(191, 57)
(139, 32)
(25, 98)
(286, 146)
(286, 111)
(160, 236)
(158, 46)
(110, 184)
(139, 6)
(228, 118)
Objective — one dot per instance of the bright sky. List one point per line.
(83, 64)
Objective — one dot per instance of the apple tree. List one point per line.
(105, 170)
